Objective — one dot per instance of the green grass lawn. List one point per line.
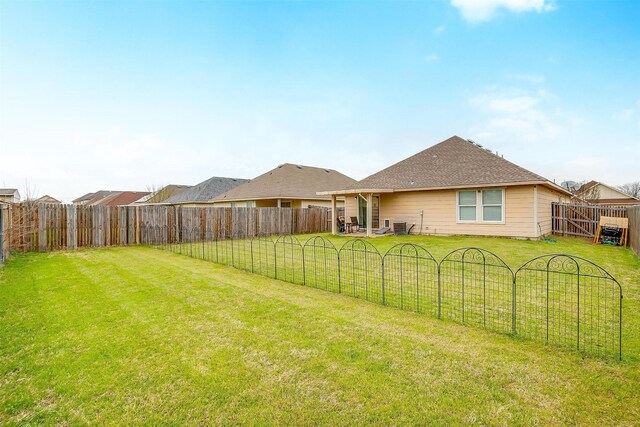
(138, 335)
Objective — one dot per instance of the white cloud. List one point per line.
(432, 57)
(484, 10)
(624, 115)
(439, 29)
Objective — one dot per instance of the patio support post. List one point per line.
(369, 214)
(334, 215)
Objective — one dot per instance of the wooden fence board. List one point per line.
(633, 214)
(47, 227)
(581, 220)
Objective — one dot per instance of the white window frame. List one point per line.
(465, 221)
(479, 206)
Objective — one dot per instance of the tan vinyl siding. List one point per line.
(545, 198)
(609, 193)
(350, 207)
(440, 213)
(272, 203)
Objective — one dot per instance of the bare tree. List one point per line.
(30, 193)
(158, 193)
(631, 188)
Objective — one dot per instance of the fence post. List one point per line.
(513, 306)
(42, 234)
(1, 235)
(439, 293)
(383, 296)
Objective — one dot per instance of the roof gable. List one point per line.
(455, 162)
(608, 193)
(289, 181)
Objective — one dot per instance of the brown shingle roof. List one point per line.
(122, 198)
(166, 192)
(455, 162)
(289, 181)
(587, 186)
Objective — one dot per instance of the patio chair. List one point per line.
(355, 226)
(340, 223)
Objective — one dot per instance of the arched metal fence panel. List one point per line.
(557, 299)
(571, 302)
(361, 271)
(321, 266)
(411, 279)
(263, 252)
(476, 287)
(241, 250)
(289, 260)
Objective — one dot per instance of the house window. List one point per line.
(250, 204)
(481, 206)
(467, 206)
(492, 205)
(285, 204)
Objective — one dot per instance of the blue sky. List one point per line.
(129, 95)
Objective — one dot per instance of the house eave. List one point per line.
(548, 184)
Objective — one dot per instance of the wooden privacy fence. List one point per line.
(581, 220)
(634, 228)
(46, 227)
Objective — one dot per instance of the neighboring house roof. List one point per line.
(453, 163)
(624, 197)
(93, 198)
(164, 193)
(48, 199)
(618, 201)
(586, 186)
(289, 181)
(121, 198)
(8, 191)
(83, 198)
(205, 191)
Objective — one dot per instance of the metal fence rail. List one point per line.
(558, 299)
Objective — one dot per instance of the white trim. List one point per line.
(536, 229)
(547, 184)
(466, 221)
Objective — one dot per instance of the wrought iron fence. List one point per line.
(560, 299)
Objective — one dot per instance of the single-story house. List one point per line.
(287, 186)
(9, 195)
(202, 193)
(456, 187)
(602, 194)
(48, 199)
